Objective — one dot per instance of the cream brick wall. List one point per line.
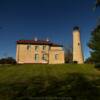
(59, 51)
(27, 56)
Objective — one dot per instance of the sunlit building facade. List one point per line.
(39, 52)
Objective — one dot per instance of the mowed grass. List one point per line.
(13, 73)
(69, 81)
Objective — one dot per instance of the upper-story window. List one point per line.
(28, 47)
(36, 48)
(44, 47)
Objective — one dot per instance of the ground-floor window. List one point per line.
(56, 56)
(44, 57)
(36, 57)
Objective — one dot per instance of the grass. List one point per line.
(25, 82)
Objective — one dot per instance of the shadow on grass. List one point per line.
(72, 87)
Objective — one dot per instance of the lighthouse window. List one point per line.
(78, 43)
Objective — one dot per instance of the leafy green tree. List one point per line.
(97, 3)
(68, 55)
(89, 60)
(94, 45)
(8, 60)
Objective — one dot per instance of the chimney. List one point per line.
(47, 40)
(35, 39)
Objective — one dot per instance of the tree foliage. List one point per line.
(94, 45)
(8, 60)
(89, 60)
(68, 56)
(97, 3)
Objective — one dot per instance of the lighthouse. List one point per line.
(77, 47)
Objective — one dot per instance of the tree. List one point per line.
(68, 56)
(89, 60)
(8, 60)
(94, 45)
(97, 3)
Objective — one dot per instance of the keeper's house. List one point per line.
(39, 51)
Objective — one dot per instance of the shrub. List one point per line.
(97, 66)
(8, 60)
(75, 62)
(89, 61)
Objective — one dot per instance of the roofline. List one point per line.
(57, 45)
(37, 43)
(42, 44)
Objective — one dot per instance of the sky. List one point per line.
(53, 19)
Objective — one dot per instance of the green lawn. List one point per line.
(25, 82)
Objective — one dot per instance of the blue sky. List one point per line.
(55, 19)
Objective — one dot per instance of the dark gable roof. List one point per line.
(38, 42)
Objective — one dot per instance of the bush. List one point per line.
(89, 61)
(97, 66)
(75, 62)
(8, 60)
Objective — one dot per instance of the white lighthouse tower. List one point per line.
(77, 48)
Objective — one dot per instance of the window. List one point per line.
(78, 43)
(44, 47)
(28, 47)
(56, 56)
(44, 57)
(36, 48)
(36, 57)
